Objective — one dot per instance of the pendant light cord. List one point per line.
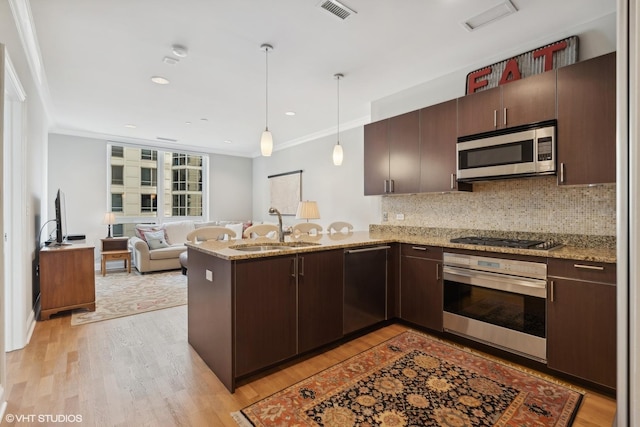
(338, 76)
(266, 86)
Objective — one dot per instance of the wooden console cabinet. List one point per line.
(67, 279)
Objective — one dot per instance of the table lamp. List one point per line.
(308, 210)
(109, 218)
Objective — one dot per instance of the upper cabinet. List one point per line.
(520, 102)
(438, 149)
(586, 122)
(392, 155)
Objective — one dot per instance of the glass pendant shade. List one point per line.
(266, 143)
(337, 154)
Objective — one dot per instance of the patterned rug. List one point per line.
(120, 294)
(415, 380)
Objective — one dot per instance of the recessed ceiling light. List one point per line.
(187, 123)
(290, 113)
(227, 141)
(170, 60)
(130, 126)
(179, 51)
(204, 120)
(490, 15)
(159, 80)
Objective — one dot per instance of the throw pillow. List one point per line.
(140, 229)
(156, 239)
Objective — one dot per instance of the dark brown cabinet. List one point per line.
(67, 279)
(438, 149)
(521, 102)
(581, 320)
(587, 122)
(392, 155)
(265, 317)
(421, 285)
(319, 298)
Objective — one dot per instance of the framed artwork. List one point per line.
(286, 191)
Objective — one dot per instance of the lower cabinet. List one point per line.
(581, 320)
(265, 312)
(319, 298)
(421, 285)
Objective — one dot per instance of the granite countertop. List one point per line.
(573, 249)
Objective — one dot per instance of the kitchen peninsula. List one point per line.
(253, 309)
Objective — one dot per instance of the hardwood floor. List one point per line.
(140, 370)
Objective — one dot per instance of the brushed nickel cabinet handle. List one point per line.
(589, 267)
(504, 121)
(453, 181)
(552, 290)
(391, 186)
(294, 267)
(301, 273)
(495, 118)
(437, 271)
(419, 248)
(561, 173)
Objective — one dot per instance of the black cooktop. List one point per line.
(507, 243)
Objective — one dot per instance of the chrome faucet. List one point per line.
(280, 232)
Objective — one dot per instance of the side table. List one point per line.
(114, 249)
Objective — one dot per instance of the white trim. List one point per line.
(3, 404)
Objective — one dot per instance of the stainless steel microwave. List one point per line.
(522, 151)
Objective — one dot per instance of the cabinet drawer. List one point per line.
(582, 270)
(422, 251)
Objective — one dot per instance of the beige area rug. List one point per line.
(120, 294)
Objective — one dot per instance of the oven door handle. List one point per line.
(500, 282)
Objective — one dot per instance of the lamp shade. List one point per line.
(109, 218)
(337, 154)
(308, 210)
(266, 143)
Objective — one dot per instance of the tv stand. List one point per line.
(67, 279)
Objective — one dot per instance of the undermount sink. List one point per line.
(262, 247)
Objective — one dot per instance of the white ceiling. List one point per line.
(99, 55)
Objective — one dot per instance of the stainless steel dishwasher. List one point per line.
(365, 287)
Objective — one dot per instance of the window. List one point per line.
(148, 154)
(148, 177)
(160, 184)
(148, 203)
(116, 202)
(117, 151)
(117, 173)
(118, 230)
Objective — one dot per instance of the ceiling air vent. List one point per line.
(160, 138)
(505, 8)
(336, 8)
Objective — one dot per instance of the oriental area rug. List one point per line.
(414, 380)
(122, 294)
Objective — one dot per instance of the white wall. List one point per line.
(78, 166)
(36, 125)
(339, 190)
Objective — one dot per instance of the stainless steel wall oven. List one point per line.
(500, 302)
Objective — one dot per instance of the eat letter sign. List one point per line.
(524, 65)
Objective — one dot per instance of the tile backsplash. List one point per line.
(527, 205)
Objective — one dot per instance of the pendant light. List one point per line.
(266, 141)
(337, 149)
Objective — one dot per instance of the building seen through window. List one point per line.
(148, 185)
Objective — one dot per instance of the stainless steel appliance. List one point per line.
(365, 287)
(508, 243)
(520, 151)
(499, 302)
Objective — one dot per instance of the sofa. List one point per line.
(158, 247)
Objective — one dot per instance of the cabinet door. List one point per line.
(529, 100)
(67, 277)
(404, 153)
(581, 327)
(320, 277)
(438, 148)
(420, 288)
(376, 158)
(586, 122)
(265, 312)
(478, 112)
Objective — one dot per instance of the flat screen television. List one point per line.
(61, 219)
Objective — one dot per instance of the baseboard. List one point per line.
(3, 405)
(31, 321)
